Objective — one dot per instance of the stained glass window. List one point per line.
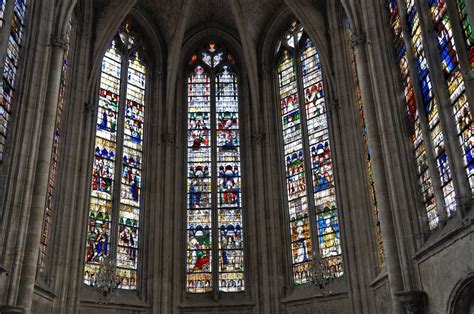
(2, 12)
(467, 29)
(428, 137)
(307, 156)
(10, 68)
(116, 189)
(214, 246)
(47, 216)
(431, 107)
(455, 82)
(412, 112)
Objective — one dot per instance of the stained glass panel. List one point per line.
(431, 109)
(455, 83)
(321, 162)
(2, 12)
(231, 254)
(214, 176)
(199, 213)
(10, 68)
(301, 244)
(467, 30)
(103, 173)
(131, 181)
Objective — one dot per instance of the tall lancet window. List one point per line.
(311, 199)
(10, 62)
(215, 255)
(425, 102)
(116, 187)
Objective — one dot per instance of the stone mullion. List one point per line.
(448, 126)
(464, 64)
(424, 124)
(392, 261)
(31, 251)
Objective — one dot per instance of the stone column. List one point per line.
(30, 260)
(386, 219)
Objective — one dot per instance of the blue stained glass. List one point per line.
(203, 167)
(10, 67)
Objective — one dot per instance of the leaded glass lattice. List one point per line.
(116, 190)
(10, 68)
(214, 246)
(307, 156)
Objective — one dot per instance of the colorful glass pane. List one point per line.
(131, 182)
(321, 160)
(412, 112)
(10, 68)
(103, 174)
(300, 230)
(231, 254)
(214, 177)
(467, 30)
(2, 12)
(455, 82)
(199, 212)
(431, 109)
(54, 155)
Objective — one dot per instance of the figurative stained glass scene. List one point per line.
(10, 65)
(434, 166)
(214, 204)
(113, 229)
(307, 156)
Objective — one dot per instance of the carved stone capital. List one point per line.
(169, 139)
(413, 301)
(358, 39)
(258, 138)
(59, 42)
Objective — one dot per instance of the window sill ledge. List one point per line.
(235, 301)
(336, 290)
(120, 298)
(453, 230)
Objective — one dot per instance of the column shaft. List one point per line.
(386, 220)
(30, 260)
